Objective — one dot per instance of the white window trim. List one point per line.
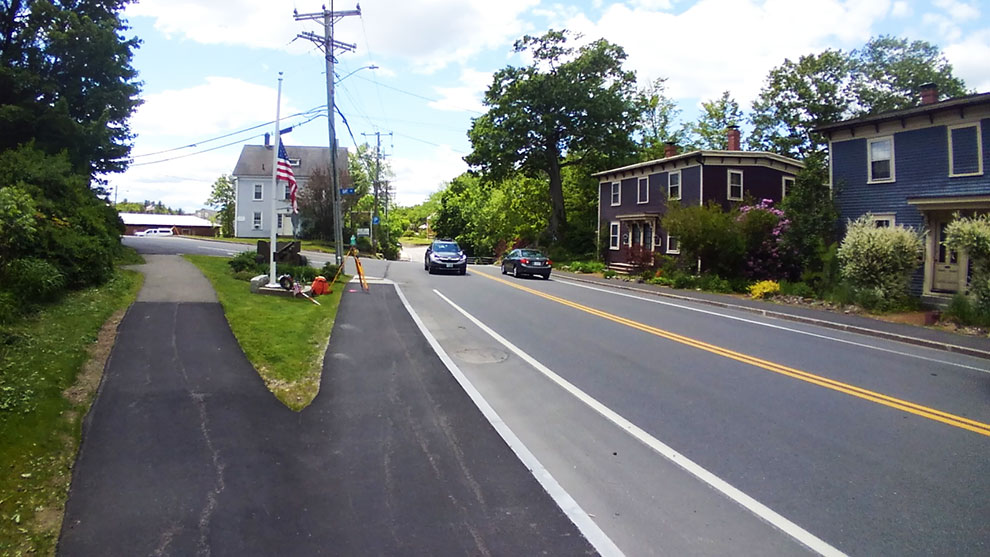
(979, 149)
(642, 186)
(874, 217)
(285, 191)
(869, 160)
(680, 187)
(614, 240)
(260, 220)
(783, 185)
(676, 251)
(614, 199)
(258, 193)
(728, 185)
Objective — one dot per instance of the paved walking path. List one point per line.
(185, 452)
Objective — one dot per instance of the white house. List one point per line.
(252, 178)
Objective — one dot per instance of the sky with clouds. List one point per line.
(210, 70)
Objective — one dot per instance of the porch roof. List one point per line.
(948, 203)
(639, 216)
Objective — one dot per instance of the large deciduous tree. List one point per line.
(66, 81)
(223, 199)
(657, 116)
(886, 74)
(709, 131)
(570, 101)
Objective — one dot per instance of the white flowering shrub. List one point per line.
(972, 235)
(878, 262)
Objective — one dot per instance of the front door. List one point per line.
(946, 277)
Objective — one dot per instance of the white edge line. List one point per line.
(759, 509)
(781, 327)
(595, 536)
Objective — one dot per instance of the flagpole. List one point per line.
(272, 279)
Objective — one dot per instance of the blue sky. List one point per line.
(210, 68)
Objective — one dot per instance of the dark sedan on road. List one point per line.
(526, 262)
(445, 255)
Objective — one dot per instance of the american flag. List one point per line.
(284, 172)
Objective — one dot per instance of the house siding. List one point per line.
(921, 169)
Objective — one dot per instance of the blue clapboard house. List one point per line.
(916, 167)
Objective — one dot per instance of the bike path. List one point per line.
(186, 452)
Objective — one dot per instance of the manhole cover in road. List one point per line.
(481, 355)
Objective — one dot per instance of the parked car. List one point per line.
(154, 232)
(445, 255)
(526, 262)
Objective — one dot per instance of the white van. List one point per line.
(154, 232)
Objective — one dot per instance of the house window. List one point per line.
(643, 191)
(279, 226)
(735, 192)
(285, 192)
(965, 150)
(881, 155)
(613, 236)
(294, 162)
(882, 220)
(257, 192)
(257, 220)
(672, 245)
(674, 185)
(616, 193)
(787, 184)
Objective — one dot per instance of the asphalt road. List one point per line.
(858, 476)
(686, 429)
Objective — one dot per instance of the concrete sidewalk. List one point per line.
(922, 336)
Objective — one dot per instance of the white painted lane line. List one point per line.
(759, 509)
(773, 326)
(601, 542)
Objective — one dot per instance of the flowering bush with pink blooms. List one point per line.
(767, 255)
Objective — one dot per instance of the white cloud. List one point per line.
(432, 34)
(946, 28)
(901, 9)
(221, 104)
(466, 97)
(718, 45)
(958, 11)
(417, 178)
(969, 60)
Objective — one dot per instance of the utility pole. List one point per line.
(377, 182)
(329, 45)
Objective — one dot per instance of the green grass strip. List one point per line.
(284, 338)
(51, 363)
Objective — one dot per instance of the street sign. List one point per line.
(346, 191)
(375, 220)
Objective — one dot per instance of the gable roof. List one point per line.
(256, 160)
(958, 103)
(707, 155)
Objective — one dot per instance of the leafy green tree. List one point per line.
(568, 101)
(797, 97)
(126, 206)
(709, 131)
(18, 222)
(658, 114)
(223, 198)
(709, 233)
(316, 206)
(66, 81)
(450, 220)
(833, 85)
(889, 72)
(810, 208)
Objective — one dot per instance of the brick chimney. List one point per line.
(733, 137)
(929, 93)
(669, 150)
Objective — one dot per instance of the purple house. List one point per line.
(632, 199)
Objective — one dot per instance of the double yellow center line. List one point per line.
(852, 390)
